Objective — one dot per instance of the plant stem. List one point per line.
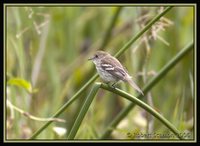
(83, 111)
(144, 106)
(148, 86)
(63, 108)
(129, 43)
(107, 35)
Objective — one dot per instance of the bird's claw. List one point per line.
(113, 85)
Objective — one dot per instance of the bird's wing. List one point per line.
(116, 69)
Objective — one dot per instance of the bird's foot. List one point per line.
(113, 85)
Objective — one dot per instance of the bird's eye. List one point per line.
(96, 56)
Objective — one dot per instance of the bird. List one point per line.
(111, 70)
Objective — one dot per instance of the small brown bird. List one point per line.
(111, 70)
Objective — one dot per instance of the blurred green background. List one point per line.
(47, 48)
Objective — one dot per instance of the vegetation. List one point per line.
(50, 88)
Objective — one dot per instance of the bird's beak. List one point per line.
(90, 58)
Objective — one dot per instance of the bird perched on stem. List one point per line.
(111, 70)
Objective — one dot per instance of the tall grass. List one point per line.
(48, 47)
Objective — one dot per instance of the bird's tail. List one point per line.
(133, 84)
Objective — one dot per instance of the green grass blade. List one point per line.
(147, 27)
(83, 111)
(62, 109)
(144, 106)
